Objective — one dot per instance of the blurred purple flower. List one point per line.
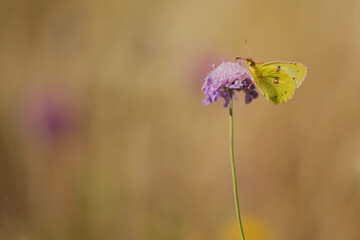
(228, 76)
(49, 113)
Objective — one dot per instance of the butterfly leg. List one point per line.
(246, 76)
(237, 60)
(252, 82)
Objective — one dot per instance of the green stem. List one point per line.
(233, 165)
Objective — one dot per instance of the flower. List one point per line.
(228, 76)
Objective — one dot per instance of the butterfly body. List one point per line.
(277, 81)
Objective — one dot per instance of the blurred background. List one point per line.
(103, 134)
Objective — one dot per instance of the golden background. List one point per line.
(103, 134)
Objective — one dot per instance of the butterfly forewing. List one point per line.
(275, 84)
(297, 71)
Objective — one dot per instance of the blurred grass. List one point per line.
(103, 135)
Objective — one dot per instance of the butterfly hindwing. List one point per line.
(275, 84)
(297, 71)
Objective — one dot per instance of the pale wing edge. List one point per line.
(307, 69)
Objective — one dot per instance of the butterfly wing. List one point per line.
(297, 71)
(275, 84)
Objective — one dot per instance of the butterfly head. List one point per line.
(250, 62)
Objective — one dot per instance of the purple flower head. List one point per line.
(228, 76)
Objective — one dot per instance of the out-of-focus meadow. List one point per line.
(103, 134)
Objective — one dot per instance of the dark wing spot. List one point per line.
(274, 98)
(285, 92)
(278, 69)
(276, 80)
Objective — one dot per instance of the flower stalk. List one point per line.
(233, 163)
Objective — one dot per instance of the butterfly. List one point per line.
(277, 80)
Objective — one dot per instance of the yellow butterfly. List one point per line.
(277, 80)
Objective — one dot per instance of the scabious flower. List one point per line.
(228, 76)
(221, 82)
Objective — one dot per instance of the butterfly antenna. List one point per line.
(247, 46)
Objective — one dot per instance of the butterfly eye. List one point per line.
(249, 63)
